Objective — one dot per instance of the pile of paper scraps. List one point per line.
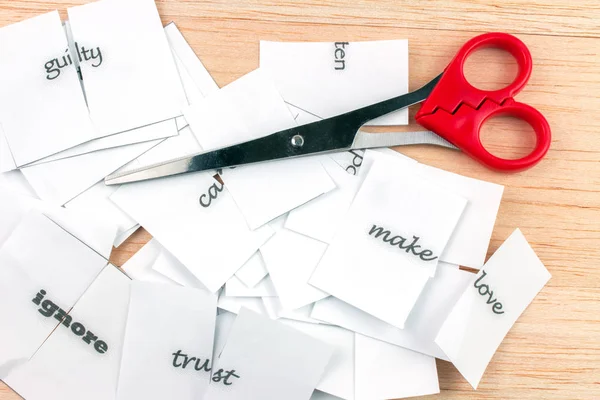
(325, 277)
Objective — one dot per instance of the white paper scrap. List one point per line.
(389, 244)
(325, 79)
(180, 213)
(291, 259)
(86, 353)
(424, 322)
(469, 242)
(338, 379)
(490, 306)
(384, 371)
(42, 108)
(122, 92)
(264, 359)
(168, 345)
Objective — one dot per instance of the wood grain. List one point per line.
(553, 351)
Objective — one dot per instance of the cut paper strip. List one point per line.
(321, 217)
(236, 288)
(389, 244)
(246, 109)
(96, 201)
(91, 369)
(469, 242)
(171, 210)
(490, 306)
(139, 266)
(384, 371)
(119, 65)
(424, 322)
(253, 271)
(193, 66)
(168, 345)
(264, 359)
(330, 78)
(291, 259)
(37, 283)
(31, 53)
(160, 130)
(60, 181)
(94, 233)
(338, 379)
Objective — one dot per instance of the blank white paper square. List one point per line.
(384, 371)
(291, 259)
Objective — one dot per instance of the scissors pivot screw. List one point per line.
(297, 141)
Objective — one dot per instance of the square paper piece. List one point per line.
(490, 306)
(180, 213)
(42, 107)
(325, 79)
(389, 244)
(85, 350)
(129, 73)
(167, 352)
(264, 359)
(384, 371)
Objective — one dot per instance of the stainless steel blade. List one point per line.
(366, 140)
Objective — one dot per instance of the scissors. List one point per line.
(452, 108)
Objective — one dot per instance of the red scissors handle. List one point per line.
(456, 110)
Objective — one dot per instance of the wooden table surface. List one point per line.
(553, 351)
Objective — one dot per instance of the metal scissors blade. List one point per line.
(338, 133)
